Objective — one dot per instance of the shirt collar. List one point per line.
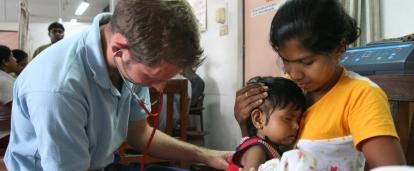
(94, 54)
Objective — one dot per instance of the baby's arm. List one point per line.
(253, 158)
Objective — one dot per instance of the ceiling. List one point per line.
(48, 10)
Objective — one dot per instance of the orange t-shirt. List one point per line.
(354, 110)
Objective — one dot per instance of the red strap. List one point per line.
(246, 144)
(155, 116)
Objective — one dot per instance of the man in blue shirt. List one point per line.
(72, 105)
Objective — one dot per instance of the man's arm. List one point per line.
(59, 120)
(164, 146)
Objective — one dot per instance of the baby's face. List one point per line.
(283, 126)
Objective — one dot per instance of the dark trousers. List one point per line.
(116, 166)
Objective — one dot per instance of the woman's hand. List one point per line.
(247, 99)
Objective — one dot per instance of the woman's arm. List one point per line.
(247, 99)
(382, 151)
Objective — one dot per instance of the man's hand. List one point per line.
(217, 159)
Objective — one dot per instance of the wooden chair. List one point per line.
(400, 92)
(197, 110)
(177, 86)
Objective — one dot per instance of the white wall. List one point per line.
(222, 72)
(397, 18)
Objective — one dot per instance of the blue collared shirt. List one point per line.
(66, 113)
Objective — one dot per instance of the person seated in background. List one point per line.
(56, 32)
(22, 60)
(271, 125)
(197, 86)
(7, 65)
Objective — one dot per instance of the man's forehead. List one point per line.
(162, 69)
(56, 29)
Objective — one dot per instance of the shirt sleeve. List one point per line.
(59, 120)
(370, 116)
(137, 113)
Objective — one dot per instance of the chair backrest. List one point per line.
(175, 87)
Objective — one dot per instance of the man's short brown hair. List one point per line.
(159, 30)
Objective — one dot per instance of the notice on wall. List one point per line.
(264, 9)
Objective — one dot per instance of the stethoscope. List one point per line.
(152, 114)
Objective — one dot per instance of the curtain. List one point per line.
(23, 26)
(368, 16)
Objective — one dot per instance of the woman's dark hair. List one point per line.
(320, 26)
(282, 93)
(19, 55)
(5, 53)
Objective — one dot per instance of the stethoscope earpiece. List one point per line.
(117, 52)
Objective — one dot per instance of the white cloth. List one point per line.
(394, 168)
(293, 160)
(6, 87)
(334, 154)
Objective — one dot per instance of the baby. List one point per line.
(273, 124)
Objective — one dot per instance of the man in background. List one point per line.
(56, 33)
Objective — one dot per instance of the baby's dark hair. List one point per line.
(282, 93)
(320, 26)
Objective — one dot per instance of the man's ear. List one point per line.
(258, 120)
(118, 42)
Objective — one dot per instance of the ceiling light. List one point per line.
(82, 8)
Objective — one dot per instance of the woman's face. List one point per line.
(21, 65)
(311, 71)
(9, 65)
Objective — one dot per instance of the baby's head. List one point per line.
(277, 119)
